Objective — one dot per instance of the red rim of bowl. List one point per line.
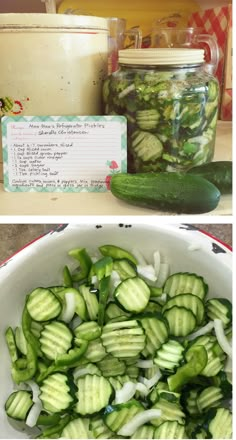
(202, 231)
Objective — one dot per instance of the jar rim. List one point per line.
(161, 56)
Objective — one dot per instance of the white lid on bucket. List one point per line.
(51, 21)
(161, 56)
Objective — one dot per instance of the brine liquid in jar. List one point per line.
(171, 105)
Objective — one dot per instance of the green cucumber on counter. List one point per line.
(219, 173)
(178, 192)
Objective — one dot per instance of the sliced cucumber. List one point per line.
(117, 416)
(95, 351)
(55, 393)
(55, 339)
(77, 429)
(133, 294)
(156, 331)
(214, 362)
(94, 393)
(88, 330)
(90, 300)
(144, 432)
(220, 308)
(169, 355)
(99, 429)
(181, 321)
(189, 301)
(170, 430)
(43, 305)
(125, 269)
(18, 404)
(208, 398)
(220, 424)
(123, 339)
(111, 366)
(113, 311)
(169, 411)
(184, 282)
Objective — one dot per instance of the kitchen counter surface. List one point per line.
(15, 236)
(103, 203)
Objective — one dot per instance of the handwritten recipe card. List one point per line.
(68, 154)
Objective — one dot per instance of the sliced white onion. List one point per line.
(33, 415)
(35, 390)
(141, 363)
(126, 91)
(139, 257)
(80, 372)
(69, 310)
(94, 280)
(140, 419)
(163, 274)
(142, 388)
(75, 322)
(202, 331)
(156, 262)
(147, 272)
(115, 280)
(125, 393)
(151, 382)
(221, 338)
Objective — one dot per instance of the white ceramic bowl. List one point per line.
(41, 264)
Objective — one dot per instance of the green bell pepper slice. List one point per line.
(85, 263)
(196, 358)
(70, 359)
(103, 296)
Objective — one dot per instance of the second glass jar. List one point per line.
(171, 106)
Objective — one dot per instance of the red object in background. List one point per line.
(214, 22)
(108, 182)
(218, 22)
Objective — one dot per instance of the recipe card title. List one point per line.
(63, 153)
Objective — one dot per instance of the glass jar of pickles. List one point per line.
(171, 105)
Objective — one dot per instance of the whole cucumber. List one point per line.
(219, 173)
(178, 192)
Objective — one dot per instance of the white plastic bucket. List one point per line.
(52, 64)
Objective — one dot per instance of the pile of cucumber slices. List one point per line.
(122, 348)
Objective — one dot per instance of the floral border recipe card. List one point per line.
(63, 153)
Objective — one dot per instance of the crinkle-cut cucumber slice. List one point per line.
(170, 430)
(117, 416)
(189, 301)
(55, 339)
(144, 432)
(220, 426)
(88, 330)
(77, 429)
(94, 393)
(169, 411)
(156, 331)
(181, 321)
(43, 305)
(18, 404)
(184, 282)
(123, 339)
(133, 294)
(56, 393)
